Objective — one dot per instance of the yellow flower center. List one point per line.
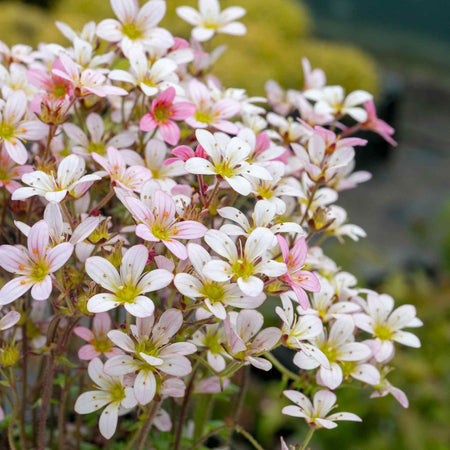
(132, 30)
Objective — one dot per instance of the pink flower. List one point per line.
(245, 340)
(9, 172)
(183, 153)
(163, 115)
(299, 280)
(34, 266)
(377, 125)
(98, 340)
(131, 178)
(85, 81)
(15, 129)
(210, 112)
(158, 222)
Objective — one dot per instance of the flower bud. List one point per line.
(9, 356)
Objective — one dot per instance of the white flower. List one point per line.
(215, 295)
(264, 215)
(151, 79)
(316, 413)
(332, 100)
(228, 160)
(244, 263)
(209, 20)
(111, 392)
(386, 324)
(338, 347)
(70, 179)
(128, 287)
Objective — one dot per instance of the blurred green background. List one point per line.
(398, 50)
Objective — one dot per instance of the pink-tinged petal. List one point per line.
(14, 289)
(91, 401)
(259, 363)
(145, 387)
(227, 108)
(87, 352)
(173, 387)
(143, 231)
(108, 420)
(102, 302)
(225, 126)
(16, 150)
(354, 351)
(38, 240)
(182, 110)
(176, 248)
(151, 14)
(168, 324)
(130, 400)
(341, 331)
(147, 123)
(198, 92)
(283, 246)
(138, 209)
(167, 96)
(9, 320)
(305, 361)
(155, 280)
(11, 258)
(58, 256)
(170, 132)
(302, 296)
(212, 385)
(266, 339)
(299, 251)
(103, 273)
(202, 34)
(15, 107)
(164, 205)
(308, 281)
(141, 307)
(190, 229)
(177, 365)
(41, 291)
(384, 352)
(179, 348)
(84, 333)
(248, 323)
(120, 365)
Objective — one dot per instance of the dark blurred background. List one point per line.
(400, 50)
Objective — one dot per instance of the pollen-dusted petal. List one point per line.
(176, 365)
(13, 259)
(188, 285)
(345, 416)
(176, 248)
(102, 302)
(145, 387)
(120, 365)
(248, 323)
(168, 324)
(103, 273)
(91, 401)
(108, 420)
(14, 289)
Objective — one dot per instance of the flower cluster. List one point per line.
(148, 214)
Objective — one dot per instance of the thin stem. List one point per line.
(249, 437)
(15, 410)
(184, 408)
(104, 201)
(285, 371)
(210, 434)
(310, 200)
(51, 135)
(213, 194)
(308, 438)
(141, 444)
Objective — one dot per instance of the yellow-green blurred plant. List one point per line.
(278, 37)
